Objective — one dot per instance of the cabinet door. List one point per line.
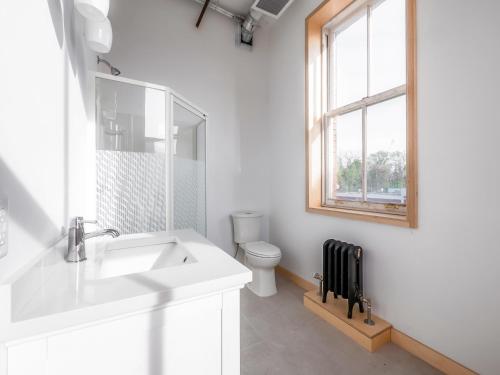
(27, 358)
(183, 339)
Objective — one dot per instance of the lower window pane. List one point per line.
(346, 155)
(386, 152)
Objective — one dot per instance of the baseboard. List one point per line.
(429, 355)
(415, 347)
(296, 279)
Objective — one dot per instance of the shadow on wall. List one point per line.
(68, 27)
(57, 19)
(62, 21)
(25, 210)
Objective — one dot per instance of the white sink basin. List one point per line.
(132, 254)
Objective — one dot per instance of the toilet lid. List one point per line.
(262, 249)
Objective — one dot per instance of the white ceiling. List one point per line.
(236, 6)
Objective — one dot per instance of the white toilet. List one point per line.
(261, 257)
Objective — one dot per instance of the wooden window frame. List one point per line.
(316, 105)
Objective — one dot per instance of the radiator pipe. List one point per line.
(368, 319)
(319, 277)
(363, 299)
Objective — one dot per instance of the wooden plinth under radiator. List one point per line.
(334, 311)
(374, 337)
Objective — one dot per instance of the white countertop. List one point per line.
(53, 294)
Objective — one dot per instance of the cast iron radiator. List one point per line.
(343, 272)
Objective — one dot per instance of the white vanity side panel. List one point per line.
(5, 311)
(231, 332)
(182, 339)
(27, 358)
(3, 359)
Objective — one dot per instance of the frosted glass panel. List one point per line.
(189, 169)
(386, 151)
(387, 46)
(131, 191)
(349, 51)
(130, 157)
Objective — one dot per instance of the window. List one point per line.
(361, 126)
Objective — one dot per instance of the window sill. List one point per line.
(374, 217)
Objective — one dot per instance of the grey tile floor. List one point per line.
(279, 336)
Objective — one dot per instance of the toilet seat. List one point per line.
(261, 249)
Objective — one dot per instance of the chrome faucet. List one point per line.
(77, 237)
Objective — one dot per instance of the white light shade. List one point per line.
(99, 35)
(96, 10)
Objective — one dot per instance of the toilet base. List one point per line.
(263, 282)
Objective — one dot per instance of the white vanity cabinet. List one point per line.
(149, 313)
(197, 336)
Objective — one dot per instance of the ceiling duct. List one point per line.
(271, 8)
(247, 28)
(246, 25)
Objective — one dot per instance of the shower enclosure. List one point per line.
(149, 170)
(189, 155)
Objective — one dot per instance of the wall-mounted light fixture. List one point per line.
(98, 31)
(99, 35)
(93, 9)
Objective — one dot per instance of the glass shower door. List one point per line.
(189, 167)
(131, 157)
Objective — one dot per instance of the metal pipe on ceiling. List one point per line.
(224, 12)
(202, 13)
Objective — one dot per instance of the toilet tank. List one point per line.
(246, 225)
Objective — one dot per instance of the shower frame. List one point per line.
(171, 98)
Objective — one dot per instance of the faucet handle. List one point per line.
(77, 222)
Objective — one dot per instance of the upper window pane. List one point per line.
(386, 151)
(387, 46)
(349, 62)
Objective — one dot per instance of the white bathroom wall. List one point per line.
(438, 283)
(42, 110)
(156, 41)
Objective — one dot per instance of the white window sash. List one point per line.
(368, 101)
(361, 104)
